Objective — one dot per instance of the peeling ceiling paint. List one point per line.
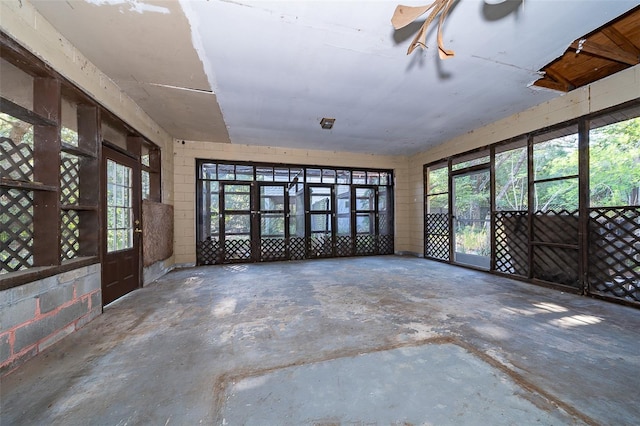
(278, 67)
(133, 5)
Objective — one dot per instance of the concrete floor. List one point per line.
(372, 340)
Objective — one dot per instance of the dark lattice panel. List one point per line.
(512, 242)
(235, 250)
(436, 238)
(344, 246)
(16, 160)
(70, 234)
(556, 227)
(614, 252)
(385, 224)
(320, 246)
(297, 248)
(16, 229)
(365, 244)
(69, 179)
(385, 244)
(556, 265)
(273, 249)
(209, 252)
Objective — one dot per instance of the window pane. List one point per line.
(614, 161)
(556, 157)
(359, 177)
(244, 172)
(557, 195)
(511, 180)
(226, 172)
(313, 175)
(209, 171)
(438, 203)
(272, 225)
(344, 176)
(328, 176)
(281, 175)
(438, 180)
(237, 224)
(373, 178)
(264, 174)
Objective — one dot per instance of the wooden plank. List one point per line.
(547, 83)
(19, 184)
(24, 114)
(607, 52)
(74, 150)
(554, 75)
(621, 40)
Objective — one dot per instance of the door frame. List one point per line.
(119, 155)
(484, 168)
(331, 212)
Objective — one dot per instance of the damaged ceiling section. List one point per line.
(265, 73)
(607, 50)
(145, 47)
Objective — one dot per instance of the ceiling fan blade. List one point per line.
(404, 15)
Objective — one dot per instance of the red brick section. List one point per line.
(40, 321)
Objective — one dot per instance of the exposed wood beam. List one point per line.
(548, 83)
(607, 52)
(554, 75)
(618, 38)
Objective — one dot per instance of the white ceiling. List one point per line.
(277, 67)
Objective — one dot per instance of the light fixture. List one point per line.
(327, 123)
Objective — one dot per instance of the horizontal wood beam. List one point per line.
(623, 42)
(606, 52)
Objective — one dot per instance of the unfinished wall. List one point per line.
(611, 91)
(185, 182)
(37, 315)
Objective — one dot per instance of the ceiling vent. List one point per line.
(327, 123)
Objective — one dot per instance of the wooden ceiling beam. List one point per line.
(621, 40)
(607, 52)
(548, 83)
(559, 78)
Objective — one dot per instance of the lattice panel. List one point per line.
(69, 179)
(273, 249)
(69, 234)
(16, 160)
(385, 244)
(614, 252)
(16, 230)
(556, 265)
(365, 244)
(239, 249)
(209, 252)
(297, 248)
(320, 246)
(512, 242)
(344, 246)
(556, 227)
(436, 237)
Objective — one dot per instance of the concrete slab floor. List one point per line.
(200, 344)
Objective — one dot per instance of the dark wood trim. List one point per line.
(74, 150)
(31, 186)
(15, 279)
(583, 204)
(530, 204)
(557, 245)
(46, 169)
(24, 114)
(555, 179)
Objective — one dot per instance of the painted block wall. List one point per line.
(186, 153)
(608, 92)
(37, 315)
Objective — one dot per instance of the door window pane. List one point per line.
(119, 207)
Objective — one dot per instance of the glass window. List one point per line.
(614, 161)
(556, 154)
(511, 180)
(314, 176)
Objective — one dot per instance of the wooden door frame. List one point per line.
(110, 150)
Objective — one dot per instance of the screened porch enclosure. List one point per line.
(254, 212)
(557, 207)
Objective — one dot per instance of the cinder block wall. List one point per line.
(36, 315)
